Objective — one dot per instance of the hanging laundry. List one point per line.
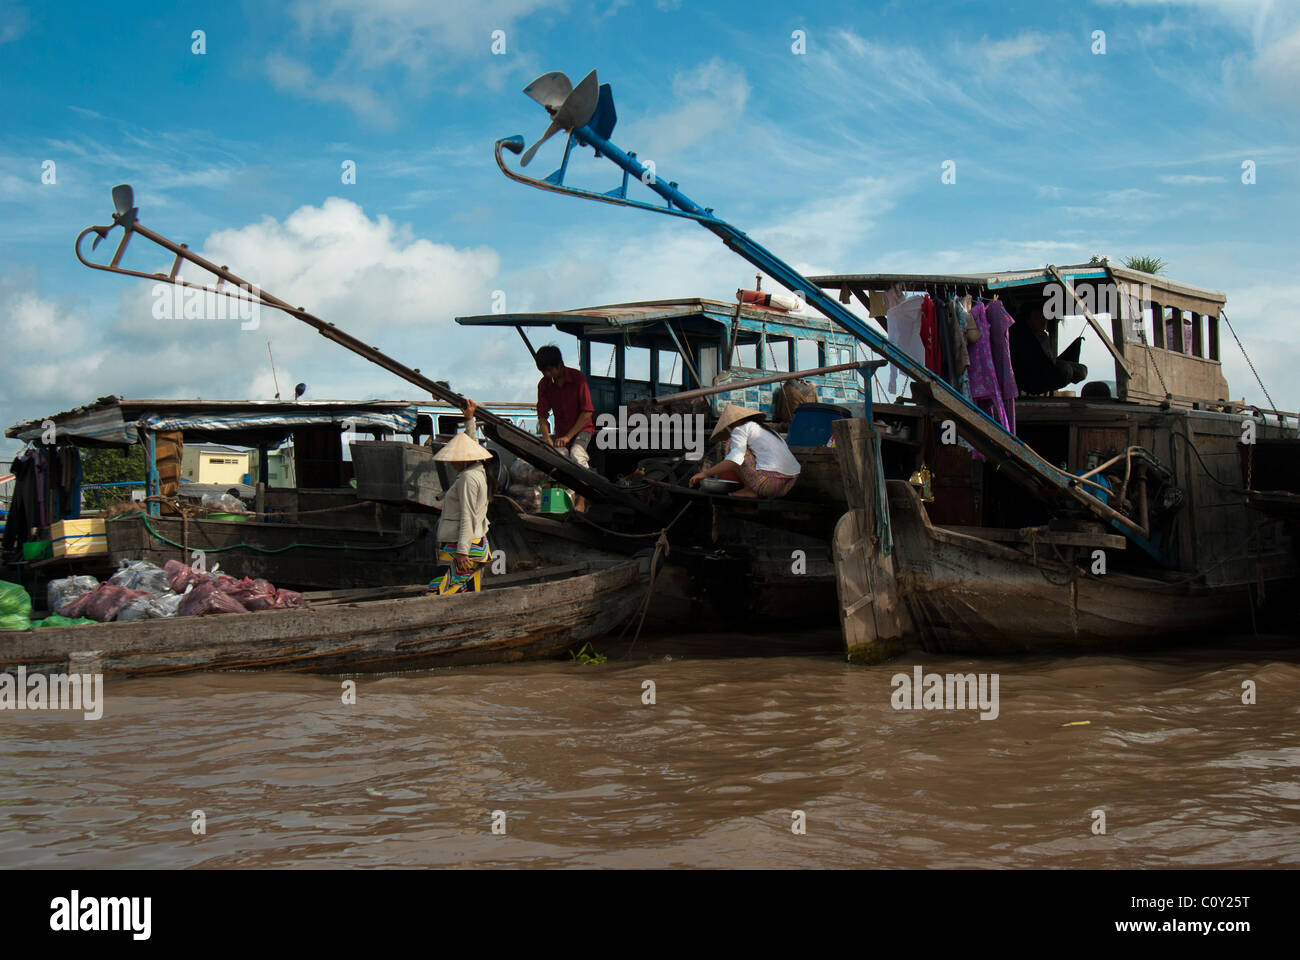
(930, 335)
(959, 320)
(893, 297)
(1000, 324)
(903, 322)
(949, 372)
(986, 391)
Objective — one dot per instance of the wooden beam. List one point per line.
(1120, 362)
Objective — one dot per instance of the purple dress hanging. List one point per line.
(1000, 324)
(985, 389)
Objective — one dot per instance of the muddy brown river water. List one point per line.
(568, 761)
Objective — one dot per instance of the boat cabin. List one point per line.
(633, 352)
(325, 481)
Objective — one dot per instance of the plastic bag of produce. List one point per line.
(76, 607)
(14, 621)
(204, 599)
(253, 594)
(287, 599)
(523, 472)
(59, 592)
(528, 496)
(142, 575)
(224, 582)
(222, 503)
(54, 620)
(141, 608)
(14, 599)
(106, 602)
(181, 575)
(169, 603)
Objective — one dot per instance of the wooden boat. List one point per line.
(565, 600)
(1183, 548)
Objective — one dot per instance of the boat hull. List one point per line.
(532, 621)
(969, 595)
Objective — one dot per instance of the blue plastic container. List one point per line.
(811, 424)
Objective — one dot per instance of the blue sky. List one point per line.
(832, 157)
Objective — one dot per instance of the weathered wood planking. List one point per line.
(512, 623)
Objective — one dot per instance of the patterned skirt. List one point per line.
(768, 484)
(480, 555)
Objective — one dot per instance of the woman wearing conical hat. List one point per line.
(754, 450)
(462, 528)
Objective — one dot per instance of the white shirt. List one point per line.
(904, 323)
(464, 509)
(770, 451)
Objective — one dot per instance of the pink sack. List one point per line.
(288, 598)
(181, 575)
(106, 601)
(246, 589)
(76, 607)
(204, 599)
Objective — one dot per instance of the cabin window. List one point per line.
(806, 355)
(637, 360)
(746, 355)
(778, 354)
(670, 367)
(602, 359)
(707, 358)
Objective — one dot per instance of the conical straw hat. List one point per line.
(733, 414)
(462, 447)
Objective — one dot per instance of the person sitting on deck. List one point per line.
(564, 391)
(766, 466)
(462, 527)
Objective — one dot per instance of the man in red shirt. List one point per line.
(564, 391)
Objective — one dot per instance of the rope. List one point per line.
(661, 549)
(631, 536)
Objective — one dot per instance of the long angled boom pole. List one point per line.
(981, 429)
(518, 441)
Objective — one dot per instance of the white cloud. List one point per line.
(710, 98)
(371, 277)
(425, 41)
(13, 22)
(290, 75)
(1191, 179)
(999, 54)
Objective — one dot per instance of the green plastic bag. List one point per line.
(14, 621)
(14, 599)
(57, 621)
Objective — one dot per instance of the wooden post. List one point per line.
(1198, 335)
(1212, 332)
(873, 617)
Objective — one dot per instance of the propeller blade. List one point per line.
(550, 90)
(579, 106)
(553, 129)
(123, 198)
(576, 109)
